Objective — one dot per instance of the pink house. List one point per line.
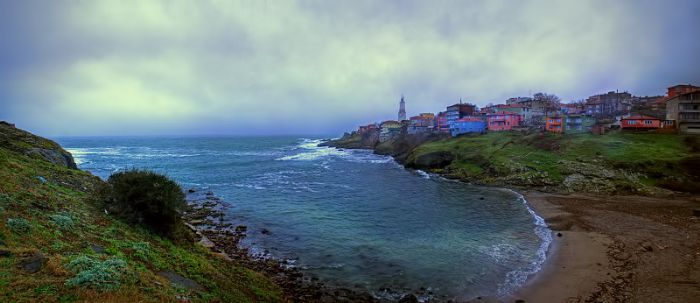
(503, 121)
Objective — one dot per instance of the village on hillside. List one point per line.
(676, 112)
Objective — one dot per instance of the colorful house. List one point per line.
(468, 125)
(389, 129)
(578, 124)
(459, 111)
(554, 124)
(441, 122)
(503, 121)
(640, 123)
(421, 123)
(683, 111)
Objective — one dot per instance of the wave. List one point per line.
(516, 278)
(312, 151)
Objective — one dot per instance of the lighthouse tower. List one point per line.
(402, 109)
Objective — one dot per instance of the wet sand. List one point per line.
(617, 249)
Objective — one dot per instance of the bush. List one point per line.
(146, 198)
(19, 225)
(63, 222)
(100, 275)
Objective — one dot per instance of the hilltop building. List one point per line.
(684, 111)
(459, 111)
(424, 122)
(503, 121)
(388, 130)
(681, 89)
(578, 124)
(610, 104)
(441, 123)
(640, 123)
(555, 124)
(468, 125)
(402, 109)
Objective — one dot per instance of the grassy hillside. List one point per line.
(616, 162)
(57, 244)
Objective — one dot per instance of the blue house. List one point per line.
(467, 125)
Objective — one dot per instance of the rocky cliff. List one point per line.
(26, 143)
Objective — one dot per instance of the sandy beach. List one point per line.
(617, 249)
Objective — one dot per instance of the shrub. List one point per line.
(62, 221)
(146, 198)
(99, 275)
(19, 225)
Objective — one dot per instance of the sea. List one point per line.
(350, 218)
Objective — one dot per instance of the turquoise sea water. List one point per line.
(349, 217)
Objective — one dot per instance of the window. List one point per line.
(648, 122)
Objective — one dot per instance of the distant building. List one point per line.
(518, 100)
(441, 122)
(578, 124)
(684, 111)
(468, 125)
(640, 123)
(610, 104)
(502, 121)
(424, 122)
(554, 124)
(515, 108)
(402, 109)
(459, 111)
(681, 89)
(572, 108)
(388, 130)
(367, 128)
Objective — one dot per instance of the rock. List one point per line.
(41, 179)
(97, 249)
(265, 231)
(191, 190)
(206, 242)
(54, 156)
(33, 263)
(438, 159)
(559, 234)
(696, 212)
(410, 298)
(646, 246)
(241, 228)
(5, 253)
(180, 281)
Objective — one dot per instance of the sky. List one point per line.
(262, 67)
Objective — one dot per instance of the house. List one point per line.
(578, 123)
(388, 130)
(681, 89)
(441, 123)
(468, 125)
(424, 122)
(684, 110)
(516, 108)
(572, 108)
(639, 122)
(502, 121)
(364, 129)
(459, 111)
(610, 104)
(554, 124)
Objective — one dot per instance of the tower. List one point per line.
(402, 109)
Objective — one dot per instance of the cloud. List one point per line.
(318, 67)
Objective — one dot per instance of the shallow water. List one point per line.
(351, 218)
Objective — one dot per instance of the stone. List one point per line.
(559, 234)
(33, 263)
(180, 281)
(97, 249)
(191, 190)
(241, 228)
(265, 231)
(646, 246)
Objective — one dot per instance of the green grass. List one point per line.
(60, 219)
(502, 157)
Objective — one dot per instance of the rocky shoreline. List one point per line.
(206, 217)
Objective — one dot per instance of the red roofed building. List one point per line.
(640, 122)
(681, 89)
(503, 121)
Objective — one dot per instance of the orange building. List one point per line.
(681, 89)
(555, 124)
(640, 122)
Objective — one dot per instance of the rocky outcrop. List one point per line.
(433, 160)
(26, 143)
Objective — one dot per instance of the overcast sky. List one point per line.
(321, 67)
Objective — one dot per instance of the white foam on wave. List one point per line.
(311, 151)
(423, 174)
(516, 278)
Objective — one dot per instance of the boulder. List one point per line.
(54, 156)
(33, 263)
(180, 281)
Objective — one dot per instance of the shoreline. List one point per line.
(612, 248)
